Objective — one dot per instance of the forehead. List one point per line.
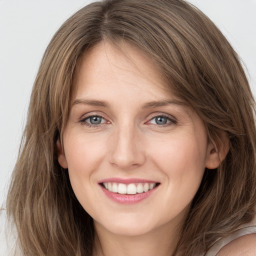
(122, 77)
(123, 62)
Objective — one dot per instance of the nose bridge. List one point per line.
(126, 149)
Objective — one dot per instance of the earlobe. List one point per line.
(61, 156)
(217, 152)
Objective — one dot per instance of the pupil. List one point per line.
(95, 120)
(161, 120)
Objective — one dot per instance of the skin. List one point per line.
(114, 83)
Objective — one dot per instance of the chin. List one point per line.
(128, 226)
(126, 230)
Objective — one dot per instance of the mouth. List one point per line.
(130, 188)
(128, 191)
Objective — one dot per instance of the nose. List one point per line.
(126, 150)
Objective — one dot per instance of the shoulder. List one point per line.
(242, 246)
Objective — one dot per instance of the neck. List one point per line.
(161, 242)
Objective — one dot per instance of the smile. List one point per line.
(129, 189)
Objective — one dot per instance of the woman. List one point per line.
(140, 138)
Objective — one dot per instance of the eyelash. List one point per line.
(84, 121)
(169, 119)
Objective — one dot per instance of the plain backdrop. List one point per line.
(26, 28)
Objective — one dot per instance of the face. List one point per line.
(134, 152)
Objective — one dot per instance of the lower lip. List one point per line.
(128, 199)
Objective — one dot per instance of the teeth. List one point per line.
(105, 185)
(130, 189)
(114, 188)
(121, 188)
(139, 188)
(146, 187)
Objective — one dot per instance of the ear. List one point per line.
(61, 155)
(217, 152)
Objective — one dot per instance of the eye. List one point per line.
(93, 120)
(162, 120)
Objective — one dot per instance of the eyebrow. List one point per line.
(162, 103)
(151, 104)
(96, 103)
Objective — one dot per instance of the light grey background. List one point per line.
(26, 28)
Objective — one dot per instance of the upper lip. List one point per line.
(127, 181)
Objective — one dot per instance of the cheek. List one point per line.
(183, 163)
(180, 155)
(83, 153)
(84, 157)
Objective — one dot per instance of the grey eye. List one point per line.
(94, 119)
(161, 120)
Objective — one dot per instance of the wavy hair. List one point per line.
(201, 68)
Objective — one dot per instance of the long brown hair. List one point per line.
(201, 68)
